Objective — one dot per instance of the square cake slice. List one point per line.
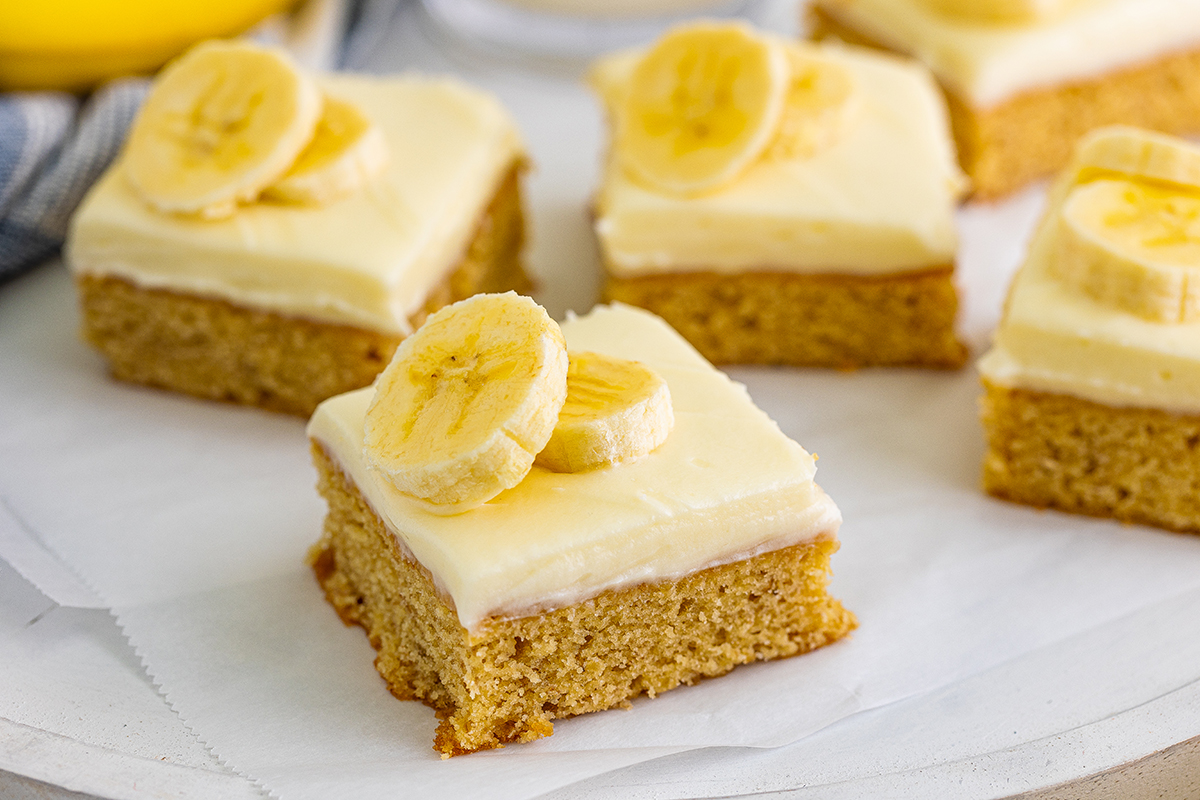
(282, 305)
(1025, 81)
(835, 247)
(1092, 386)
(577, 592)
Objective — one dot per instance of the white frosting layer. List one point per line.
(988, 64)
(879, 200)
(368, 259)
(725, 485)
(1056, 338)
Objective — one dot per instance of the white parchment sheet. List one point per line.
(192, 519)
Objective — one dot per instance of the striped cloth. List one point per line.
(53, 146)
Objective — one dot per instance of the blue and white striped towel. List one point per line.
(53, 145)
(52, 148)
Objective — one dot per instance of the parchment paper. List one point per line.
(192, 519)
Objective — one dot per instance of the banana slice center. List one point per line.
(702, 109)
(1159, 223)
(219, 125)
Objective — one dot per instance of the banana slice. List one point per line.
(1133, 246)
(468, 401)
(702, 105)
(222, 122)
(616, 411)
(818, 108)
(999, 11)
(346, 152)
(1140, 153)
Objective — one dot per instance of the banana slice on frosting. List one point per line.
(1133, 246)
(1126, 150)
(703, 104)
(221, 123)
(999, 11)
(468, 401)
(819, 107)
(616, 410)
(346, 152)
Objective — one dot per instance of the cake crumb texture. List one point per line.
(1137, 465)
(841, 321)
(220, 351)
(1033, 134)
(506, 681)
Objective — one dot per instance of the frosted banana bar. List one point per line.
(808, 219)
(299, 284)
(1026, 78)
(576, 591)
(1092, 400)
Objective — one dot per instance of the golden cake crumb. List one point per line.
(841, 321)
(1138, 465)
(509, 679)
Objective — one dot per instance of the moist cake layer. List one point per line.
(985, 65)
(1139, 465)
(368, 260)
(506, 680)
(726, 485)
(880, 199)
(839, 321)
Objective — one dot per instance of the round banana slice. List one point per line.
(347, 151)
(223, 121)
(1140, 153)
(616, 411)
(468, 401)
(999, 11)
(702, 105)
(1133, 246)
(818, 109)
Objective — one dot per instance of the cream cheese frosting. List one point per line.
(726, 484)
(1057, 338)
(880, 199)
(368, 259)
(987, 64)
